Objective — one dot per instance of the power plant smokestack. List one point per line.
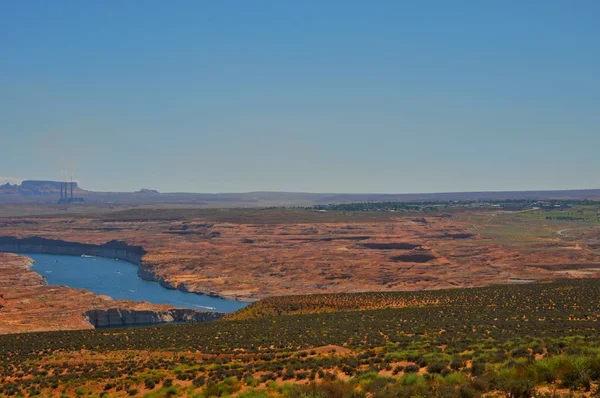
(62, 187)
(66, 189)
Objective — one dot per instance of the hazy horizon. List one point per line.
(12, 181)
(334, 97)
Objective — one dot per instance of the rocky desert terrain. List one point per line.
(28, 304)
(252, 254)
(248, 255)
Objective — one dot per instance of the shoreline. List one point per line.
(198, 304)
(112, 249)
(30, 304)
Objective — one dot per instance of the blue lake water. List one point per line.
(119, 280)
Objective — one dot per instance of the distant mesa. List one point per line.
(48, 191)
(148, 191)
(37, 187)
(8, 189)
(40, 187)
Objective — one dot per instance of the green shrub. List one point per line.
(467, 392)
(578, 375)
(171, 391)
(252, 393)
(516, 383)
(455, 378)
(411, 369)
(251, 381)
(412, 379)
(478, 368)
(436, 367)
(456, 364)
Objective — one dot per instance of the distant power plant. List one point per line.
(66, 193)
(66, 190)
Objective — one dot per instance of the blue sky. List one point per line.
(317, 96)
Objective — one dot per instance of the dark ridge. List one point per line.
(183, 232)
(39, 241)
(391, 246)
(413, 258)
(332, 239)
(100, 229)
(564, 267)
(457, 235)
(342, 276)
(18, 222)
(119, 318)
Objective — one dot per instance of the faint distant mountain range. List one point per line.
(47, 192)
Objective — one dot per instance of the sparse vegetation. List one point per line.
(510, 339)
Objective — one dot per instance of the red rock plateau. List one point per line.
(247, 256)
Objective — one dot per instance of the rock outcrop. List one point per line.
(112, 249)
(260, 253)
(146, 191)
(29, 304)
(36, 244)
(115, 317)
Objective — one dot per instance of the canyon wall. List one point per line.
(112, 249)
(117, 317)
(120, 313)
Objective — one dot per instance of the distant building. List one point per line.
(66, 193)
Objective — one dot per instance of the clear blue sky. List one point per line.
(318, 96)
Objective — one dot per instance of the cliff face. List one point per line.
(115, 317)
(112, 249)
(36, 187)
(28, 304)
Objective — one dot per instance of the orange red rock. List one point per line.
(250, 260)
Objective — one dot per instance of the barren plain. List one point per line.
(255, 253)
